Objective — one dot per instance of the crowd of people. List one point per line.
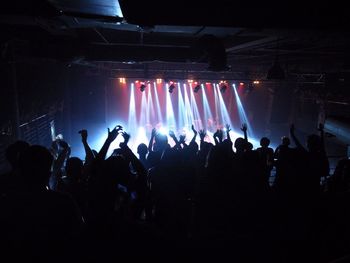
(188, 200)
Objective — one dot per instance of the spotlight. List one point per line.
(223, 87)
(171, 88)
(142, 87)
(197, 88)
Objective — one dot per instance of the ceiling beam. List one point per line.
(251, 44)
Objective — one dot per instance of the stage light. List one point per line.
(223, 87)
(159, 81)
(256, 82)
(171, 88)
(122, 80)
(241, 83)
(197, 88)
(142, 87)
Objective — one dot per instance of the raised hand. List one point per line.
(202, 134)
(112, 135)
(172, 134)
(220, 135)
(154, 132)
(228, 129)
(244, 127)
(216, 133)
(84, 135)
(89, 156)
(194, 130)
(126, 137)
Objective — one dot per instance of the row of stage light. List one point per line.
(150, 109)
(171, 85)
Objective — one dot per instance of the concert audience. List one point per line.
(188, 200)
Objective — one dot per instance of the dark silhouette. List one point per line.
(36, 220)
(189, 199)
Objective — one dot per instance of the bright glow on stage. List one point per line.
(139, 112)
(170, 117)
(241, 112)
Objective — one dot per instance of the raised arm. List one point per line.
(173, 136)
(228, 129)
(126, 137)
(202, 135)
(220, 135)
(89, 156)
(58, 164)
(138, 184)
(182, 140)
(244, 129)
(194, 134)
(150, 144)
(215, 136)
(112, 135)
(136, 163)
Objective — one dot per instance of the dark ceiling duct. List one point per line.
(214, 52)
(111, 52)
(207, 49)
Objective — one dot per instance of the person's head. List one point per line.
(313, 143)
(35, 165)
(94, 152)
(142, 149)
(264, 142)
(240, 144)
(13, 152)
(285, 141)
(74, 167)
(193, 147)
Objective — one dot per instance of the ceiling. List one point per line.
(235, 38)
